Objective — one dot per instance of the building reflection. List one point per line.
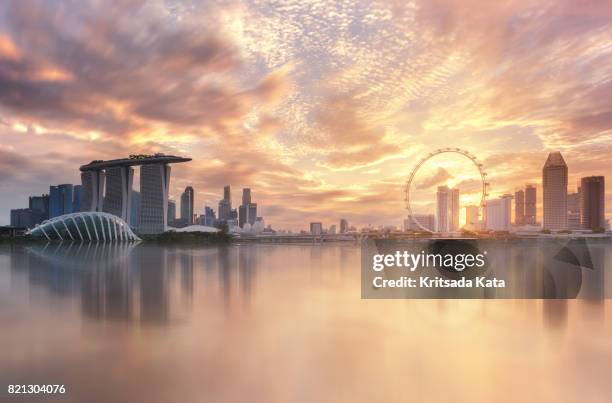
(148, 284)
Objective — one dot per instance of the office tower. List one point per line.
(592, 202)
(247, 210)
(472, 216)
(135, 210)
(118, 195)
(252, 213)
(224, 210)
(154, 184)
(227, 194)
(171, 212)
(60, 200)
(40, 203)
(343, 226)
(498, 213)
(519, 207)
(442, 208)
(554, 182)
(225, 205)
(573, 210)
(316, 228)
(246, 196)
(77, 197)
(426, 220)
(209, 217)
(187, 202)
(530, 205)
(332, 229)
(453, 210)
(26, 217)
(447, 209)
(93, 190)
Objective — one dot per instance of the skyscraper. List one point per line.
(60, 200)
(592, 202)
(316, 228)
(171, 212)
(227, 195)
(154, 184)
(77, 197)
(454, 207)
(225, 204)
(135, 210)
(554, 182)
(573, 210)
(343, 226)
(246, 196)
(519, 207)
(40, 203)
(442, 208)
(187, 202)
(530, 204)
(498, 213)
(118, 195)
(447, 209)
(93, 190)
(209, 217)
(247, 212)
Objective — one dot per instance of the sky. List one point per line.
(322, 108)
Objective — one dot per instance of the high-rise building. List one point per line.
(442, 208)
(187, 203)
(224, 210)
(447, 209)
(498, 213)
(247, 212)
(225, 204)
(26, 217)
(426, 220)
(135, 210)
(77, 197)
(246, 196)
(171, 212)
(154, 185)
(592, 202)
(118, 195)
(472, 216)
(209, 217)
(332, 229)
(316, 228)
(93, 190)
(453, 213)
(40, 203)
(554, 182)
(573, 210)
(343, 226)
(530, 205)
(60, 200)
(519, 207)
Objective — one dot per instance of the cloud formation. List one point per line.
(321, 105)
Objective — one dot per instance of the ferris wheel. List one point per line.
(468, 155)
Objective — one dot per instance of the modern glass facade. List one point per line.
(85, 226)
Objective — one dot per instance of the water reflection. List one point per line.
(282, 323)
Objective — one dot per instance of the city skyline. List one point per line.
(323, 110)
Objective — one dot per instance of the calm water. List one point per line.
(278, 323)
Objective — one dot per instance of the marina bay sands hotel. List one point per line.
(107, 187)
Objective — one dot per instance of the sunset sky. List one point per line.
(322, 108)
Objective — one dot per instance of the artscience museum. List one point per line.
(85, 226)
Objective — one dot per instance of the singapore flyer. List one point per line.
(409, 191)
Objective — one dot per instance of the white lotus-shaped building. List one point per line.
(85, 226)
